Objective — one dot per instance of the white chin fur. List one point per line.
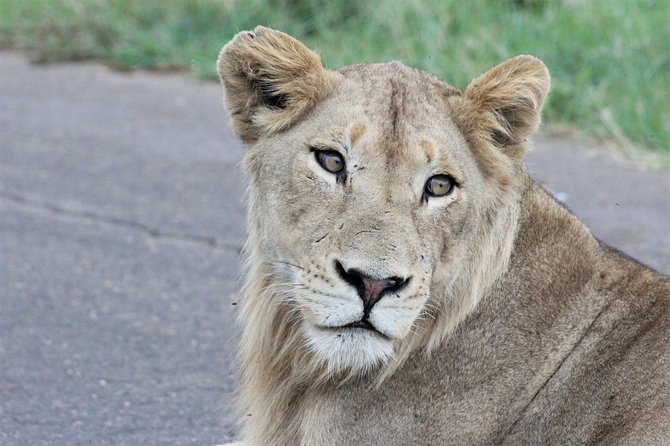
(349, 350)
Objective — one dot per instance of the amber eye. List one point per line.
(330, 160)
(439, 186)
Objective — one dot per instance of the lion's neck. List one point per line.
(268, 389)
(277, 369)
(550, 238)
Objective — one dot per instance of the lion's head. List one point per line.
(383, 201)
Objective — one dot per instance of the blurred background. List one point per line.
(609, 59)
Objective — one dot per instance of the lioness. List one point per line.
(408, 283)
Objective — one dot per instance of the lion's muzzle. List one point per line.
(370, 289)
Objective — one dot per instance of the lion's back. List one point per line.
(614, 387)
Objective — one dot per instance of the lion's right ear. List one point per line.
(270, 80)
(504, 104)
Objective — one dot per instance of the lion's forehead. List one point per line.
(394, 117)
(398, 98)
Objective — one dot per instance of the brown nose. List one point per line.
(370, 290)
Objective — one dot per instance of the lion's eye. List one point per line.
(330, 160)
(439, 186)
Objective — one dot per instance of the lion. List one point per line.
(408, 282)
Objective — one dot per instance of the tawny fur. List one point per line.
(517, 327)
(277, 66)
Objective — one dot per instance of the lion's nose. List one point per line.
(370, 289)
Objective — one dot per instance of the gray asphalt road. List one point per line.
(121, 220)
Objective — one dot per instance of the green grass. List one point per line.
(609, 59)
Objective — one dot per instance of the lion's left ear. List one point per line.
(512, 93)
(270, 80)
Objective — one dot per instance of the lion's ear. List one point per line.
(270, 80)
(512, 93)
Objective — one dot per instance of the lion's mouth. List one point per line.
(363, 324)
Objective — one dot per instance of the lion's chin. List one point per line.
(349, 350)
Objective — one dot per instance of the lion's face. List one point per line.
(365, 201)
(368, 205)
